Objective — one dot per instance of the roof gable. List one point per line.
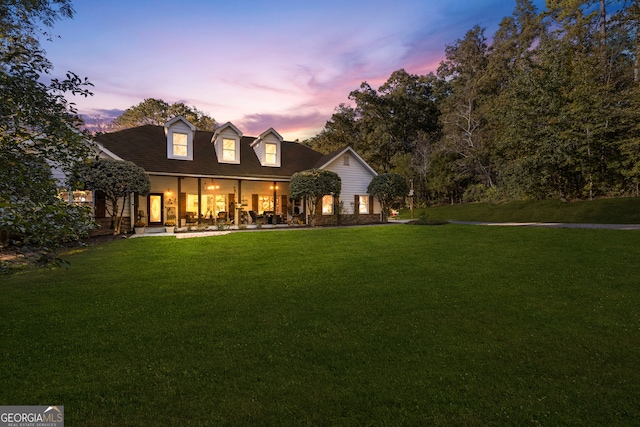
(175, 120)
(327, 159)
(224, 127)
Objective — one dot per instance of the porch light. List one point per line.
(213, 187)
(274, 187)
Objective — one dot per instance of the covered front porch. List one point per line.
(207, 201)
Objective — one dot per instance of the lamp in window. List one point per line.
(213, 187)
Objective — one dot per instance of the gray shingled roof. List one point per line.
(146, 146)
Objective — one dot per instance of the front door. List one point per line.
(155, 209)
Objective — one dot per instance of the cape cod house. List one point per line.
(202, 177)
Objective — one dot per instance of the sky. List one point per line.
(259, 64)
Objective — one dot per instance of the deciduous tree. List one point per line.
(314, 184)
(389, 188)
(38, 129)
(116, 179)
(157, 112)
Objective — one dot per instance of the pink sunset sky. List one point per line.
(259, 64)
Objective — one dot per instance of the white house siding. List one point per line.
(355, 180)
(59, 176)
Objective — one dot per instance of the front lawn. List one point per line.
(393, 325)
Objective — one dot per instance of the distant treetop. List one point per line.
(153, 111)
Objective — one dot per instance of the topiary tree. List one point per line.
(312, 185)
(389, 188)
(116, 179)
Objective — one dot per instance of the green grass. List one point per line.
(395, 325)
(601, 211)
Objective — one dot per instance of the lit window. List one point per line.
(271, 153)
(221, 203)
(63, 195)
(83, 198)
(229, 149)
(327, 205)
(363, 205)
(192, 203)
(265, 203)
(180, 144)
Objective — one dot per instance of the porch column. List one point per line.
(237, 219)
(133, 210)
(178, 200)
(275, 201)
(199, 199)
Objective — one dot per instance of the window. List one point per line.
(229, 149)
(179, 144)
(363, 204)
(271, 153)
(82, 198)
(265, 203)
(346, 160)
(221, 203)
(192, 203)
(63, 195)
(327, 205)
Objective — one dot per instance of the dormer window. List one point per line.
(180, 145)
(226, 141)
(267, 148)
(228, 149)
(270, 153)
(179, 134)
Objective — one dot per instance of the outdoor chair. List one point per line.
(191, 218)
(257, 219)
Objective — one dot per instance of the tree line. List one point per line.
(548, 109)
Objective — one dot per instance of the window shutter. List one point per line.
(356, 204)
(100, 204)
(370, 204)
(183, 205)
(254, 203)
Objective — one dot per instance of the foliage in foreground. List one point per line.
(388, 325)
(38, 129)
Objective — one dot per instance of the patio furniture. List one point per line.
(191, 218)
(257, 219)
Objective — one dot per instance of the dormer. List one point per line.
(268, 148)
(226, 141)
(179, 133)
